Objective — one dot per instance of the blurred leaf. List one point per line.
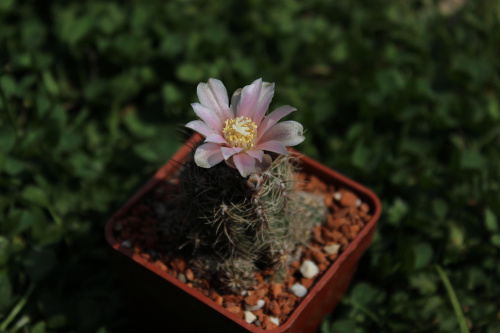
(343, 326)
(137, 127)
(360, 156)
(397, 211)
(35, 195)
(423, 255)
(495, 240)
(440, 208)
(424, 283)
(14, 166)
(363, 293)
(490, 220)
(472, 160)
(190, 73)
(38, 327)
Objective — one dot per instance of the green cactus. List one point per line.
(230, 227)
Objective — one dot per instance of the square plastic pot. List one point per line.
(158, 301)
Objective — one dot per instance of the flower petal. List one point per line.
(256, 153)
(228, 152)
(235, 100)
(209, 116)
(200, 127)
(273, 146)
(249, 99)
(273, 118)
(289, 133)
(215, 138)
(266, 95)
(213, 95)
(263, 165)
(207, 155)
(244, 163)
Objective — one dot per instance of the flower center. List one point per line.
(240, 132)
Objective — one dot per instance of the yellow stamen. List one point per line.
(240, 132)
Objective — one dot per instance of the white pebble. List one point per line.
(309, 269)
(181, 277)
(337, 196)
(260, 304)
(127, 243)
(249, 317)
(274, 320)
(332, 249)
(299, 290)
(358, 202)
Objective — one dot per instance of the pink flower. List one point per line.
(241, 132)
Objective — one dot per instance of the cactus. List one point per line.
(230, 227)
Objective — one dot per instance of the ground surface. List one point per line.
(400, 96)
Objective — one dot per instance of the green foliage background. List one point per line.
(399, 95)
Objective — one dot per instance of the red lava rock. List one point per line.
(179, 264)
(367, 218)
(219, 300)
(328, 200)
(260, 314)
(333, 236)
(259, 277)
(339, 222)
(266, 304)
(275, 290)
(317, 235)
(318, 257)
(289, 305)
(348, 199)
(214, 295)
(364, 207)
(345, 229)
(260, 293)
(252, 299)
(161, 265)
(306, 282)
(332, 257)
(267, 324)
(189, 274)
(318, 184)
(295, 265)
(190, 285)
(341, 212)
(274, 308)
(232, 299)
(355, 229)
(234, 309)
(322, 267)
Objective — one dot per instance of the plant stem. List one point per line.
(454, 300)
(15, 311)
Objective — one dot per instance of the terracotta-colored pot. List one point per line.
(158, 301)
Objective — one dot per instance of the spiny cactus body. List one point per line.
(230, 227)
